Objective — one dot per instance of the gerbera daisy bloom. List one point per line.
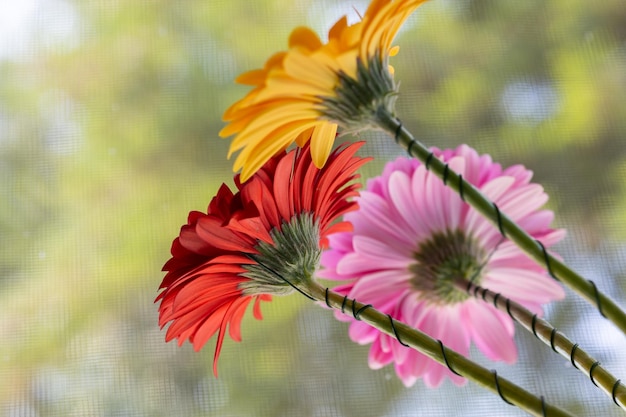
(415, 243)
(263, 240)
(304, 92)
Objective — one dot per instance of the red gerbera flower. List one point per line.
(264, 240)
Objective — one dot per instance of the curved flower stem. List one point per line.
(435, 350)
(550, 336)
(508, 228)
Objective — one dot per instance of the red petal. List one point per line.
(232, 259)
(189, 241)
(228, 317)
(282, 184)
(336, 173)
(301, 180)
(221, 204)
(208, 327)
(212, 231)
(203, 299)
(339, 227)
(252, 227)
(257, 305)
(260, 195)
(309, 188)
(234, 331)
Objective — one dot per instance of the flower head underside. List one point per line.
(304, 93)
(414, 240)
(263, 240)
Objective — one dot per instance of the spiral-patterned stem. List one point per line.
(550, 336)
(507, 227)
(436, 350)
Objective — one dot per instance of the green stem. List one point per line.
(471, 195)
(550, 336)
(432, 348)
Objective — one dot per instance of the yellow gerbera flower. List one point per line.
(306, 91)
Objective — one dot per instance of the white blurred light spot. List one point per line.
(13, 15)
(15, 22)
(529, 101)
(26, 25)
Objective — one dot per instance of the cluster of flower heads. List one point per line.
(408, 249)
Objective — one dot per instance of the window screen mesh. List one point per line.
(109, 113)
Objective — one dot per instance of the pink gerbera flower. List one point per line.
(414, 240)
(263, 240)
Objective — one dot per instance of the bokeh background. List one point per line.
(109, 113)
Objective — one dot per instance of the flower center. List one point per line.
(444, 260)
(287, 263)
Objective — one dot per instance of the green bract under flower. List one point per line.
(357, 102)
(290, 261)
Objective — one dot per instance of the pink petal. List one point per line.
(377, 357)
(553, 237)
(413, 310)
(418, 191)
(518, 203)
(410, 370)
(402, 200)
(452, 205)
(413, 367)
(521, 174)
(355, 263)
(341, 241)
(454, 335)
(379, 287)
(362, 333)
(493, 190)
(369, 246)
(536, 222)
(432, 200)
(433, 371)
(374, 214)
(489, 334)
(523, 284)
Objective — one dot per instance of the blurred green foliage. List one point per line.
(109, 137)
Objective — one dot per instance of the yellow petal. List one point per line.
(336, 31)
(233, 111)
(313, 69)
(304, 37)
(284, 87)
(351, 36)
(254, 77)
(238, 124)
(275, 60)
(258, 76)
(375, 7)
(384, 23)
(268, 121)
(304, 137)
(254, 157)
(347, 63)
(322, 142)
